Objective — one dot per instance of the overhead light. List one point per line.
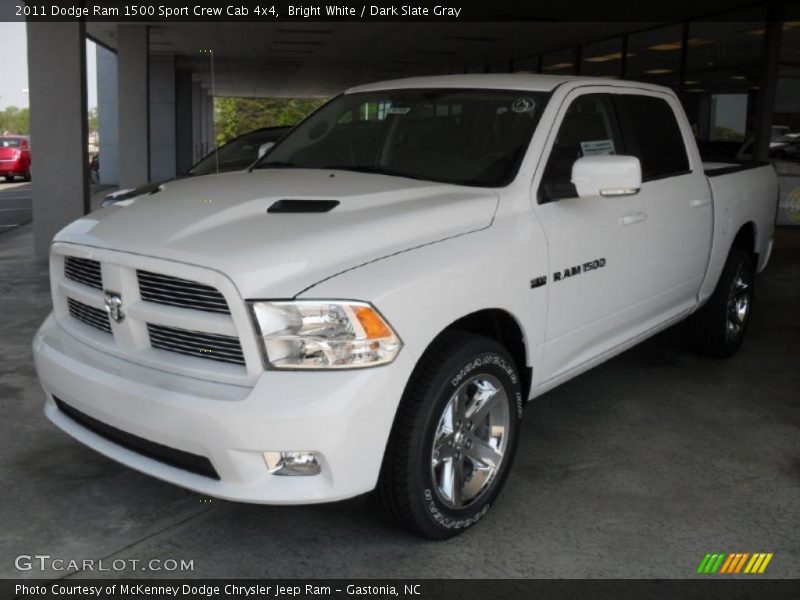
(670, 46)
(557, 66)
(604, 57)
(658, 71)
(791, 25)
(667, 47)
(687, 82)
(693, 90)
(759, 31)
(739, 78)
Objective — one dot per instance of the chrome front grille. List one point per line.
(83, 271)
(179, 318)
(164, 289)
(223, 348)
(94, 317)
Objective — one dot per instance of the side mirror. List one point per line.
(607, 175)
(264, 148)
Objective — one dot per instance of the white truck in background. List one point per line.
(370, 306)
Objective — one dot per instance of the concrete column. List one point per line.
(134, 120)
(769, 80)
(183, 121)
(108, 115)
(58, 126)
(162, 118)
(197, 129)
(205, 147)
(212, 142)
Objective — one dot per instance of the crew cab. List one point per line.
(371, 305)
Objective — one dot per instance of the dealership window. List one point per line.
(590, 127)
(602, 59)
(724, 65)
(560, 63)
(785, 138)
(654, 56)
(528, 64)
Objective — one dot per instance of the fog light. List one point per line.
(301, 462)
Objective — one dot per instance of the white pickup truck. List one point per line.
(371, 305)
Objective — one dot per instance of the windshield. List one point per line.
(468, 137)
(239, 153)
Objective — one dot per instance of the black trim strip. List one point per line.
(194, 463)
(735, 168)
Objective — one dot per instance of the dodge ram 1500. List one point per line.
(370, 306)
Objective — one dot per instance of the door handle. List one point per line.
(631, 218)
(697, 203)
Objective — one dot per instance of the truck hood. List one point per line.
(221, 222)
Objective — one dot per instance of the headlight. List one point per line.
(323, 334)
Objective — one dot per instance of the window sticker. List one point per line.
(523, 105)
(597, 148)
(398, 110)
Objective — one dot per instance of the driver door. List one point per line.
(598, 247)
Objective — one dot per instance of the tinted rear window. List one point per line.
(659, 144)
(10, 142)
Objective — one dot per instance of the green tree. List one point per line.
(15, 120)
(236, 116)
(92, 118)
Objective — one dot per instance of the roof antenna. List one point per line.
(210, 53)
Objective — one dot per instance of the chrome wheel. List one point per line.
(738, 308)
(470, 441)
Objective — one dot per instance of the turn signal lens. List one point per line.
(374, 327)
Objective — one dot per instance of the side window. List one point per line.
(590, 127)
(657, 138)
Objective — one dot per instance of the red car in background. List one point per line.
(15, 157)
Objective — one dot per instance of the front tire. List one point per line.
(718, 328)
(454, 436)
(9, 179)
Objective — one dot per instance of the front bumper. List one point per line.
(345, 416)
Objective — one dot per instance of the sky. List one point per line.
(14, 71)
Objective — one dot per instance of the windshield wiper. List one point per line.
(277, 165)
(363, 169)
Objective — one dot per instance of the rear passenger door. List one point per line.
(598, 247)
(675, 196)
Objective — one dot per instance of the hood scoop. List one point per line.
(303, 206)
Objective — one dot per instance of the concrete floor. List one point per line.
(635, 469)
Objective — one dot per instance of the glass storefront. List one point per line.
(717, 66)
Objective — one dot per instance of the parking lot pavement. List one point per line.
(15, 204)
(16, 207)
(635, 469)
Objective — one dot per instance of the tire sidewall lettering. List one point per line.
(489, 359)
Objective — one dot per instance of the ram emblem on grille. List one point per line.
(114, 306)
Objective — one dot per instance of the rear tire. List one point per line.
(9, 179)
(27, 176)
(454, 436)
(719, 327)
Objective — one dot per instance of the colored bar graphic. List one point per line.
(718, 563)
(764, 564)
(734, 563)
(727, 563)
(741, 562)
(703, 563)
